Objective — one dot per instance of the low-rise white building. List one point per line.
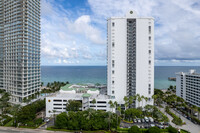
(188, 86)
(56, 103)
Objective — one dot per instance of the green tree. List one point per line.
(154, 97)
(172, 129)
(146, 99)
(61, 120)
(130, 101)
(73, 105)
(28, 113)
(126, 102)
(42, 83)
(14, 110)
(4, 102)
(94, 101)
(139, 99)
(134, 129)
(111, 105)
(153, 130)
(142, 97)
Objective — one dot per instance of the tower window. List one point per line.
(149, 38)
(113, 44)
(149, 51)
(149, 85)
(113, 24)
(149, 29)
(113, 82)
(113, 72)
(149, 62)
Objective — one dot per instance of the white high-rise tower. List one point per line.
(130, 62)
(20, 48)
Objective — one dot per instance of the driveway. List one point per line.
(191, 127)
(47, 124)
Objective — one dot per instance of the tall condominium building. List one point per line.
(130, 61)
(188, 87)
(20, 48)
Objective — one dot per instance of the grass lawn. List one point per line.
(65, 130)
(9, 124)
(183, 131)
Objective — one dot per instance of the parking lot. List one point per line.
(144, 123)
(189, 126)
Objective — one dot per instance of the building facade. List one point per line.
(188, 87)
(20, 48)
(130, 61)
(56, 103)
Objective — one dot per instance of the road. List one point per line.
(48, 124)
(25, 130)
(191, 127)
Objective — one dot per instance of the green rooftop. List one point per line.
(66, 88)
(93, 89)
(86, 95)
(81, 89)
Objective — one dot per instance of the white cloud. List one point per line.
(65, 39)
(70, 37)
(82, 25)
(177, 24)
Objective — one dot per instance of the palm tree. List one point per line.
(15, 110)
(130, 101)
(139, 99)
(154, 97)
(126, 102)
(42, 83)
(142, 97)
(111, 105)
(108, 119)
(195, 108)
(54, 116)
(89, 113)
(93, 102)
(146, 99)
(116, 104)
(4, 102)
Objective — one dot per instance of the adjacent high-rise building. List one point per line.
(20, 48)
(188, 86)
(130, 61)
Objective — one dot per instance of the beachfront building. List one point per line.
(56, 103)
(130, 57)
(188, 86)
(20, 48)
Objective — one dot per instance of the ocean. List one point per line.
(97, 74)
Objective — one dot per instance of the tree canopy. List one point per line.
(86, 120)
(134, 129)
(73, 105)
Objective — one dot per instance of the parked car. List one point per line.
(146, 126)
(146, 119)
(138, 120)
(141, 126)
(151, 119)
(152, 125)
(47, 120)
(160, 126)
(135, 121)
(142, 120)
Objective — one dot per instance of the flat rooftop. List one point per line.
(79, 96)
(70, 87)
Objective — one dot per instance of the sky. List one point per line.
(73, 32)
